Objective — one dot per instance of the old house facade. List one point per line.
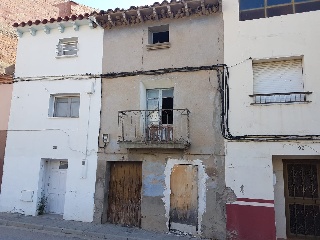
(20, 10)
(271, 120)
(5, 103)
(51, 152)
(161, 152)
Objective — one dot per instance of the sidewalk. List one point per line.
(55, 223)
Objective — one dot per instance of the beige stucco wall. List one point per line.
(5, 103)
(196, 91)
(195, 41)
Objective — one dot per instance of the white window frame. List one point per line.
(66, 45)
(278, 81)
(69, 97)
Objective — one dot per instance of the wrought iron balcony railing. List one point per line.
(165, 128)
(290, 97)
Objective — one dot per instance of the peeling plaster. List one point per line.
(202, 189)
(153, 180)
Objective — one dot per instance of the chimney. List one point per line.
(64, 8)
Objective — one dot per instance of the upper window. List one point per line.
(66, 106)
(158, 37)
(67, 47)
(278, 82)
(254, 9)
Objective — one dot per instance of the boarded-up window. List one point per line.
(66, 106)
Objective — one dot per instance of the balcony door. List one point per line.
(159, 115)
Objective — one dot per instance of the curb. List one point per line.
(86, 234)
(61, 230)
(24, 225)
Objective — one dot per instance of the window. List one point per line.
(250, 9)
(160, 100)
(67, 47)
(66, 106)
(158, 37)
(278, 82)
(63, 165)
(159, 114)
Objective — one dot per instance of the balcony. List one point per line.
(166, 128)
(291, 97)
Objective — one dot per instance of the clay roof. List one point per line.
(52, 20)
(134, 15)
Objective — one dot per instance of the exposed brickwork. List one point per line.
(25, 10)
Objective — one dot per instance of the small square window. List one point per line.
(64, 106)
(63, 165)
(67, 47)
(158, 37)
(159, 34)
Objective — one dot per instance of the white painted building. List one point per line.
(272, 155)
(54, 121)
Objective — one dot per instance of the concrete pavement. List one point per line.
(55, 224)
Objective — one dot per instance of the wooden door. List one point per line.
(302, 197)
(184, 198)
(125, 193)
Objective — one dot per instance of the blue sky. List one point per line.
(107, 4)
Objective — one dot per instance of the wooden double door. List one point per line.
(124, 201)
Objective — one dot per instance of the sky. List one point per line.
(112, 4)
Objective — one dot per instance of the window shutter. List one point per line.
(277, 77)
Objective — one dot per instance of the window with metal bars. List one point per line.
(279, 81)
(254, 9)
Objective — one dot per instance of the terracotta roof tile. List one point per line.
(158, 11)
(117, 17)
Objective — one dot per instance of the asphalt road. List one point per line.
(14, 233)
